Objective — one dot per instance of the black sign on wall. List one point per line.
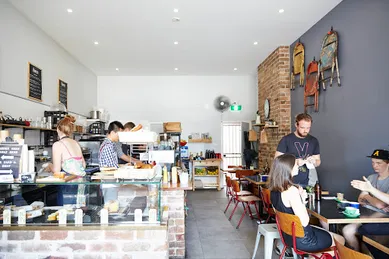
(10, 159)
(34, 82)
(63, 92)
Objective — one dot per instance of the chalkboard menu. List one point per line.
(63, 92)
(34, 82)
(10, 159)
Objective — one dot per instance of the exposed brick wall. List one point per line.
(72, 244)
(274, 84)
(176, 223)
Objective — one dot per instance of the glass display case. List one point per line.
(42, 201)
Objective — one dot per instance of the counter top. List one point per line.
(177, 186)
(69, 227)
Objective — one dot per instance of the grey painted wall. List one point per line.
(353, 119)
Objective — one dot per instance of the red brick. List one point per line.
(53, 235)
(36, 247)
(120, 235)
(87, 235)
(180, 237)
(71, 247)
(21, 235)
(103, 247)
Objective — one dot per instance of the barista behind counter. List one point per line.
(123, 150)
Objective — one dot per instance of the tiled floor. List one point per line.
(209, 234)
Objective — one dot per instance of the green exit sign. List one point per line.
(236, 107)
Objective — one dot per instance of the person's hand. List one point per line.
(364, 186)
(303, 194)
(49, 167)
(300, 161)
(311, 160)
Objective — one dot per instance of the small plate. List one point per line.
(351, 216)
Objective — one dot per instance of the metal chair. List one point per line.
(347, 253)
(291, 225)
(248, 200)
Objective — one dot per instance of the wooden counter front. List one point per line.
(177, 186)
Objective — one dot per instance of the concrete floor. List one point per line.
(209, 234)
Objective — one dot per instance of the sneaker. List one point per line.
(288, 253)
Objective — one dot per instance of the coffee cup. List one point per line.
(264, 178)
(354, 204)
(351, 211)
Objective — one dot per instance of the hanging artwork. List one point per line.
(298, 64)
(312, 86)
(329, 57)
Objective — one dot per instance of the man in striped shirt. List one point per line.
(108, 157)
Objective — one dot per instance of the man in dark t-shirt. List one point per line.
(303, 146)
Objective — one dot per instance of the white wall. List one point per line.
(21, 42)
(188, 99)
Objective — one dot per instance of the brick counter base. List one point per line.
(85, 244)
(176, 223)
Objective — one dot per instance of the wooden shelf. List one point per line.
(199, 140)
(266, 126)
(25, 127)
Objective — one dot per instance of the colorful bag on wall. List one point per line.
(298, 65)
(312, 86)
(329, 57)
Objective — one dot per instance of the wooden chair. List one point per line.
(230, 192)
(235, 166)
(291, 225)
(347, 253)
(248, 200)
(265, 195)
(240, 175)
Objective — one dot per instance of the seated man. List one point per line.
(373, 228)
(380, 181)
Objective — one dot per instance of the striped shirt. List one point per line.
(108, 156)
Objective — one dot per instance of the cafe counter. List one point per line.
(159, 236)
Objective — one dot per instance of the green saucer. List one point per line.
(351, 216)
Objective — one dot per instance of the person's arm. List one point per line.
(315, 157)
(365, 186)
(57, 158)
(298, 206)
(281, 148)
(375, 202)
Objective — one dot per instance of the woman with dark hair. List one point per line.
(67, 153)
(289, 198)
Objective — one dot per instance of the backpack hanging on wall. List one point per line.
(312, 86)
(298, 65)
(329, 57)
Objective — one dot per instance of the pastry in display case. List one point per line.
(42, 203)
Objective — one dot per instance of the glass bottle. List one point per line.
(317, 191)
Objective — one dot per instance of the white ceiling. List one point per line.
(137, 36)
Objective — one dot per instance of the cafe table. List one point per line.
(328, 211)
(379, 242)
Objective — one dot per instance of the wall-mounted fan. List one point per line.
(222, 103)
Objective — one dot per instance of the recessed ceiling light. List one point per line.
(117, 69)
(176, 42)
(255, 42)
(69, 10)
(176, 69)
(235, 69)
(96, 43)
(281, 10)
(175, 10)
